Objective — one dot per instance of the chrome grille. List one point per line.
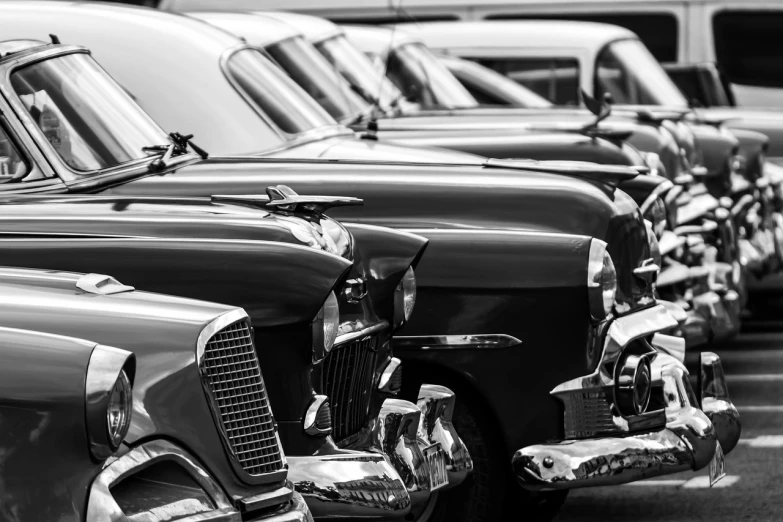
(347, 379)
(233, 378)
(587, 414)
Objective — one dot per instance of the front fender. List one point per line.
(45, 467)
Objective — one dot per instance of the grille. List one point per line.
(347, 379)
(587, 414)
(233, 376)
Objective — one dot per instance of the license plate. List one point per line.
(436, 459)
(717, 465)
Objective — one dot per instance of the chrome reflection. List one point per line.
(437, 407)
(361, 485)
(715, 401)
(445, 342)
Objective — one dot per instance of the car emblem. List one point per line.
(355, 290)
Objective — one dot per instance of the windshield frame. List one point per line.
(607, 47)
(288, 140)
(44, 153)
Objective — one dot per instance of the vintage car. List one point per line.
(598, 256)
(337, 371)
(155, 430)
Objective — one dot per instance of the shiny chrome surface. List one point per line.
(687, 442)
(396, 434)
(267, 499)
(448, 342)
(235, 389)
(106, 364)
(715, 401)
(311, 422)
(347, 379)
(101, 284)
(355, 290)
(361, 485)
(670, 345)
(391, 377)
(350, 331)
(102, 506)
(437, 407)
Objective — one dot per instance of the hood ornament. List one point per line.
(283, 198)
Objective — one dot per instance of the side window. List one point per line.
(13, 167)
(556, 79)
(688, 80)
(658, 31)
(749, 47)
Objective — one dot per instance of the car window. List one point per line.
(658, 31)
(13, 167)
(556, 79)
(748, 45)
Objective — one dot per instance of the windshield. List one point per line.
(359, 71)
(315, 75)
(89, 120)
(628, 71)
(425, 80)
(275, 94)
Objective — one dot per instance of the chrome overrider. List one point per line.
(203, 500)
(677, 436)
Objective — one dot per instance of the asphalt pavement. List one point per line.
(753, 487)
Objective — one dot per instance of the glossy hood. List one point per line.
(768, 122)
(404, 195)
(162, 332)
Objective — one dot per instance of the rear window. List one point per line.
(749, 46)
(658, 31)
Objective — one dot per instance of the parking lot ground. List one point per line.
(753, 489)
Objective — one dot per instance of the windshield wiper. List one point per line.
(179, 145)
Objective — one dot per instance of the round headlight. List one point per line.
(404, 298)
(325, 327)
(656, 215)
(601, 280)
(118, 410)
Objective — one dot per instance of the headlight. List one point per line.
(656, 215)
(325, 328)
(601, 280)
(109, 399)
(404, 298)
(118, 412)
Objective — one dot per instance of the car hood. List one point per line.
(162, 331)
(768, 122)
(405, 195)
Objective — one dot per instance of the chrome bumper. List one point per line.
(349, 484)
(207, 503)
(687, 441)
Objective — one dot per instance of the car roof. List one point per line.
(313, 28)
(517, 33)
(377, 40)
(257, 29)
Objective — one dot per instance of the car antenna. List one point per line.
(55, 40)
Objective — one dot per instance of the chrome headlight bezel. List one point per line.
(601, 281)
(108, 399)
(325, 328)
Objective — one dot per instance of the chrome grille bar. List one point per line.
(233, 380)
(347, 380)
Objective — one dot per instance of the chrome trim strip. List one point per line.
(447, 342)
(265, 500)
(217, 324)
(312, 414)
(358, 334)
(102, 506)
